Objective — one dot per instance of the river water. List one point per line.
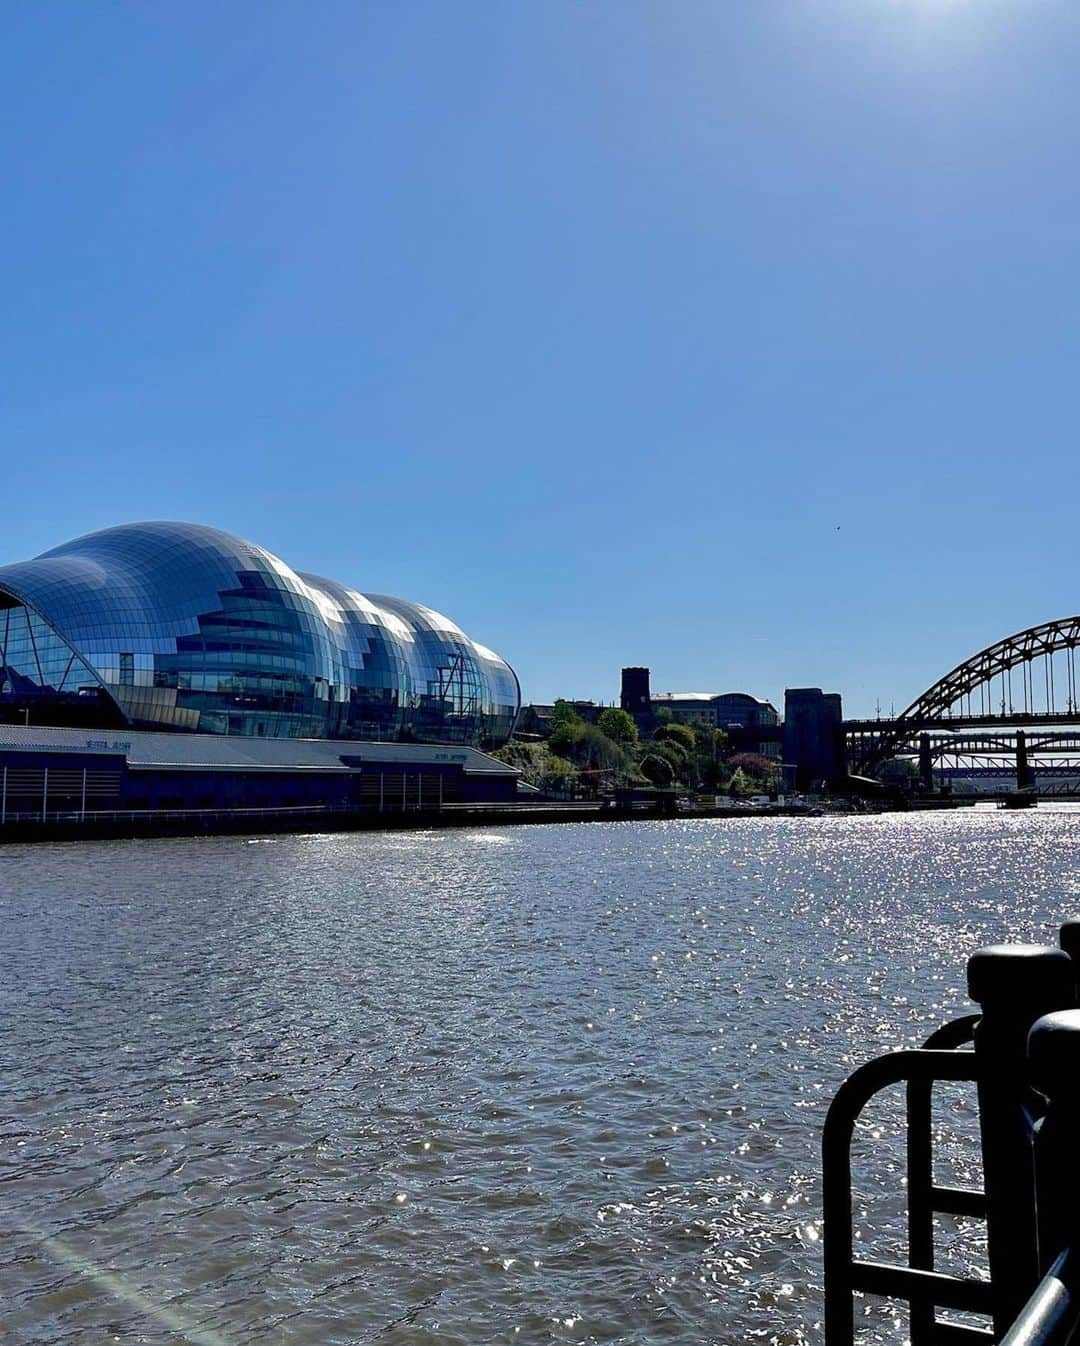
(537, 1084)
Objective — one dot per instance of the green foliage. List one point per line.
(753, 766)
(563, 713)
(670, 751)
(565, 738)
(608, 752)
(658, 770)
(677, 733)
(527, 757)
(617, 725)
(587, 748)
(538, 765)
(898, 771)
(557, 774)
(596, 751)
(712, 775)
(710, 742)
(694, 751)
(662, 715)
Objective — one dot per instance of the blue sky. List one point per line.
(733, 337)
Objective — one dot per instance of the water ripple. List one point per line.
(552, 1084)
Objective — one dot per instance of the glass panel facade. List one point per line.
(34, 661)
(190, 628)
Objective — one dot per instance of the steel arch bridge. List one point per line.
(1026, 680)
(1024, 651)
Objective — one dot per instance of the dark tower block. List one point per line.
(812, 721)
(635, 696)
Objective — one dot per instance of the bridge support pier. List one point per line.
(1024, 775)
(926, 763)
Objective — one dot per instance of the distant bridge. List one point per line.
(1015, 701)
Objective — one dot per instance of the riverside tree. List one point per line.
(657, 770)
(673, 732)
(618, 725)
(563, 713)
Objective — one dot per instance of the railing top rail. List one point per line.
(1051, 1315)
(911, 1065)
(956, 1033)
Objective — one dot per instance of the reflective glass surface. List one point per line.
(33, 658)
(191, 628)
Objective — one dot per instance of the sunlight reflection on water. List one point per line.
(543, 1084)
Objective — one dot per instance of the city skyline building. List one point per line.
(749, 720)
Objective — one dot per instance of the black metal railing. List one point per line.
(1051, 1315)
(1025, 1065)
(924, 1288)
(925, 1197)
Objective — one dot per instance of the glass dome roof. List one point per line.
(183, 626)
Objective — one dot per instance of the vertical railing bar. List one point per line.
(920, 1172)
(897, 1068)
(920, 1175)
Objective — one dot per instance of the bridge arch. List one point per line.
(998, 661)
(1026, 679)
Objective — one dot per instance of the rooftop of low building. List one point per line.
(711, 696)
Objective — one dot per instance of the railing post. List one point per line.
(1069, 939)
(1014, 984)
(1054, 1065)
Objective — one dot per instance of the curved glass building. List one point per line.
(178, 626)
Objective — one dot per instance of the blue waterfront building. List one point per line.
(175, 631)
(178, 626)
